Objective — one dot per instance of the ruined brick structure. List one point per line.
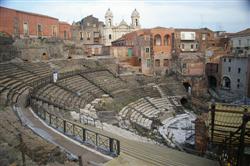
(89, 30)
(201, 134)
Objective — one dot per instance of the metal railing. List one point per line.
(102, 143)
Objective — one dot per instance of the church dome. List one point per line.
(135, 13)
(123, 23)
(109, 13)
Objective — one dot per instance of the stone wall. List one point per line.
(7, 51)
(46, 49)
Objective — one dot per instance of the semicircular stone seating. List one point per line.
(73, 92)
(106, 80)
(16, 78)
(145, 111)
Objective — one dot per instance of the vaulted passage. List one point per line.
(212, 82)
(186, 85)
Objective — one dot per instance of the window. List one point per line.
(239, 42)
(226, 82)
(110, 37)
(166, 62)
(54, 30)
(184, 65)
(192, 36)
(148, 62)
(65, 35)
(238, 80)
(238, 86)
(157, 63)
(25, 29)
(147, 50)
(182, 46)
(229, 69)
(136, 22)
(139, 59)
(196, 46)
(229, 60)
(225, 59)
(39, 30)
(96, 34)
(239, 70)
(192, 46)
(81, 36)
(203, 36)
(182, 35)
(157, 40)
(166, 40)
(248, 42)
(88, 35)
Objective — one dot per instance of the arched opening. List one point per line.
(139, 61)
(110, 37)
(226, 83)
(69, 57)
(157, 40)
(186, 85)
(184, 101)
(45, 56)
(212, 82)
(166, 40)
(136, 22)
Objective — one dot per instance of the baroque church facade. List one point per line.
(113, 32)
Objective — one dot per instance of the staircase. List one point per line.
(163, 95)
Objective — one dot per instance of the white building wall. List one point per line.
(244, 41)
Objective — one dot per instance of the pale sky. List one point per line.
(229, 15)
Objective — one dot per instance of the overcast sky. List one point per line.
(229, 15)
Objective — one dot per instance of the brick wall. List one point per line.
(12, 22)
(64, 30)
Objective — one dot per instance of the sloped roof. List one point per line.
(245, 32)
(30, 13)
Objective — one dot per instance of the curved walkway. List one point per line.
(30, 119)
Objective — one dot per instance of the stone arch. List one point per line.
(226, 82)
(157, 40)
(166, 40)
